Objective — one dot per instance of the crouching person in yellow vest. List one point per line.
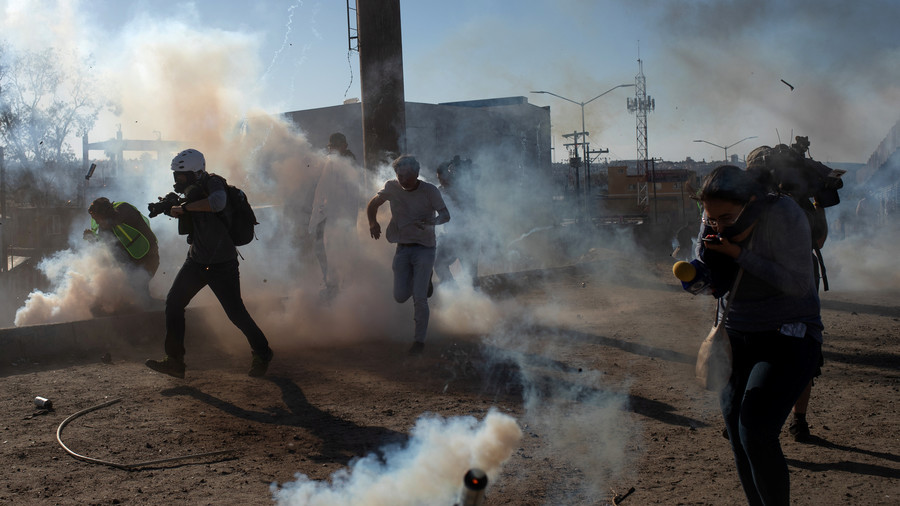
(131, 231)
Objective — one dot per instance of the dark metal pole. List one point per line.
(577, 169)
(586, 160)
(381, 78)
(653, 171)
(85, 151)
(4, 226)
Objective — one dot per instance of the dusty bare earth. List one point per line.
(630, 335)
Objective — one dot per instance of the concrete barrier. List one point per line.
(112, 333)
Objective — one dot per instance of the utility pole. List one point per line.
(381, 77)
(584, 147)
(4, 225)
(575, 161)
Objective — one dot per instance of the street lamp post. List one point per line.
(726, 147)
(585, 155)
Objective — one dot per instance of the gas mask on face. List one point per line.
(189, 179)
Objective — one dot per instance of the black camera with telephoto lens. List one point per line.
(164, 205)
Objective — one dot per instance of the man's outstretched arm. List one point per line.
(372, 215)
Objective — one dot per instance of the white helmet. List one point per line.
(189, 160)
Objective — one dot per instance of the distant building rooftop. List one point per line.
(489, 102)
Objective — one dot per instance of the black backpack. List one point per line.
(238, 215)
(243, 219)
(786, 170)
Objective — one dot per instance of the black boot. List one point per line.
(799, 428)
(260, 363)
(169, 365)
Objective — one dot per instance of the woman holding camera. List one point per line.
(773, 323)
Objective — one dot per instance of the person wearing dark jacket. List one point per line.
(211, 261)
(773, 324)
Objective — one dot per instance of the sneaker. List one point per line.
(169, 365)
(260, 364)
(800, 430)
(416, 349)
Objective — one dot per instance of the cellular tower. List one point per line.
(640, 105)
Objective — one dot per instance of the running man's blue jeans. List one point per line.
(412, 266)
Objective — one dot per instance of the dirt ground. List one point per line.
(616, 329)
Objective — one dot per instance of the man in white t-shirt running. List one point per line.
(416, 207)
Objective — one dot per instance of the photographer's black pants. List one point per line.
(225, 282)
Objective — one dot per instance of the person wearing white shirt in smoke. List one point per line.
(335, 209)
(414, 204)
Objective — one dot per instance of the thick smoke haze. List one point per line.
(864, 259)
(165, 75)
(580, 414)
(714, 68)
(840, 59)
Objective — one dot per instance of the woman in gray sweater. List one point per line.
(774, 322)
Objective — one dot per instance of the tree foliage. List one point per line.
(46, 102)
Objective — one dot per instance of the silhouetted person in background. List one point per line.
(335, 210)
(457, 241)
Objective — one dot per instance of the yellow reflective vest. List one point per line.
(135, 243)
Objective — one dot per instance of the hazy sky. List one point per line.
(713, 67)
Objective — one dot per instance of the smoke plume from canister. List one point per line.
(428, 469)
(85, 281)
(579, 416)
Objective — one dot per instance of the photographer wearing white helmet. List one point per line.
(212, 260)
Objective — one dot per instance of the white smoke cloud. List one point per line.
(85, 280)
(866, 260)
(196, 85)
(428, 469)
(169, 76)
(578, 415)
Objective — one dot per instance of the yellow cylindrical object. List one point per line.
(684, 271)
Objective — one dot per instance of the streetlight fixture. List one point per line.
(585, 157)
(726, 147)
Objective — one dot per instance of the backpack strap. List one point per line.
(818, 253)
(207, 177)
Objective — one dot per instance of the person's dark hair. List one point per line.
(406, 161)
(337, 140)
(727, 182)
(102, 207)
